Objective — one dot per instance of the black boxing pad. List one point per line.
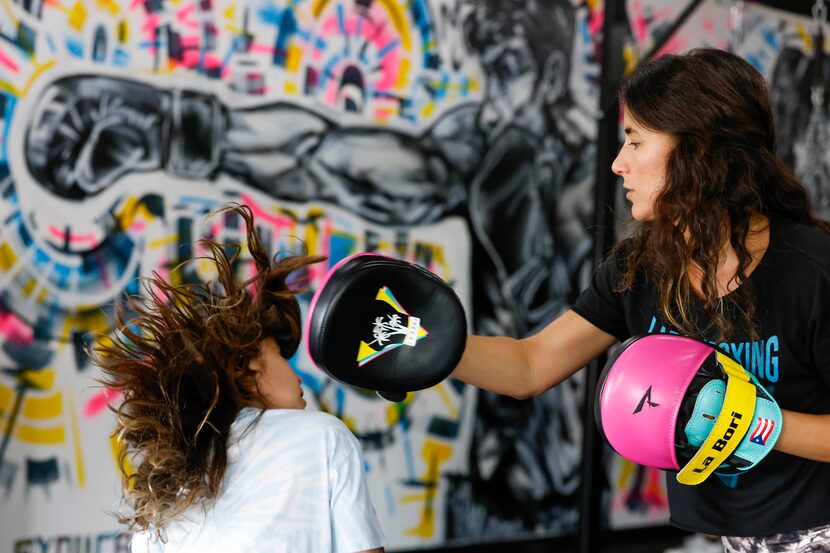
(386, 325)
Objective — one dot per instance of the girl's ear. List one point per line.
(255, 365)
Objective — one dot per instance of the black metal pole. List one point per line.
(614, 31)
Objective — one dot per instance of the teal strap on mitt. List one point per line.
(755, 445)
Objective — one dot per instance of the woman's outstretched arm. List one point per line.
(526, 367)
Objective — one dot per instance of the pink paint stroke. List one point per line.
(100, 401)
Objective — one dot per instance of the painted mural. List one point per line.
(455, 134)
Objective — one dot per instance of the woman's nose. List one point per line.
(617, 166)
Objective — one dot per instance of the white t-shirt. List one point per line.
(294, 483)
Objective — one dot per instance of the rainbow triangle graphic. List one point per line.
(414, 331)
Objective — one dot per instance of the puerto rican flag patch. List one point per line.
(762, 432)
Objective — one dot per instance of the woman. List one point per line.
(726, 249)
(226, 458)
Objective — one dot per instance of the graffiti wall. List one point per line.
(456, 134)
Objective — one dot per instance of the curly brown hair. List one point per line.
(722, 171)
(181, 360)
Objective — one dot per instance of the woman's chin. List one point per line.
(640, 214)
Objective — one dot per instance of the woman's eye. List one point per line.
(634, 144)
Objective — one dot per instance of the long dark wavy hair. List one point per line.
(181, 359)
(723, 169)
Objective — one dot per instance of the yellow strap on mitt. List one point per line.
(733, 423)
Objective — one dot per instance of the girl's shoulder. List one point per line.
(307, 422)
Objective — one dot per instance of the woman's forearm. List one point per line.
(522, 368)
(498, 364)
(805, 436)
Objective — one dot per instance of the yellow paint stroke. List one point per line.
(6, 399)
(10, 89)
(435, 454)
(77, 16)
(29, 287)
(7, 257)
(629, 59)
(312, 234)
(428, 109)
(315, 213)
(292, 59)
(317, 7)
(206, 269)
(230, 13)
(399, 23)
(626, 471)
(441, 261)
(123, 31)
(393, 410)
(405, 67)
(290, 87)
(102, 341)
(76, 442)
(40, 69)
(805, 36)
(42, 379)
(123, 462)
(109, 6)
(164, 241)
(350, 423)
(17, 92)
(131, 211)
(89, 318)
(393, 414)
(40, 436)
(41, 408)
(441, 388)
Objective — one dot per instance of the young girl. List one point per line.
(212, 416)
(726, 249)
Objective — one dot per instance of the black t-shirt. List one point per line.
(791, 359)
